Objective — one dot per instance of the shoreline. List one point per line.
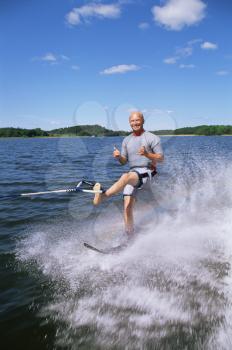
(77, 136)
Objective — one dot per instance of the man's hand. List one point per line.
(154, 157)
(142, 151)
(116, 153)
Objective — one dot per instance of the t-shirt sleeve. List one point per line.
(124, 149)
(156, 145)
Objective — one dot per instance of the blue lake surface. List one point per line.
(171, 289)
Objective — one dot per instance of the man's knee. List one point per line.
(133, 178)
(130, 178)
(125, 176)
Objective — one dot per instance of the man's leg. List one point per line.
(130, 178)
(128, 215)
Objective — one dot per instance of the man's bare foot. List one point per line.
(98, 196)
(130, 232)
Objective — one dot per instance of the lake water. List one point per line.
(171, 289)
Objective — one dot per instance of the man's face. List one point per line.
(136, 122)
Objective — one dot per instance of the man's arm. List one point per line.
(158, 157)
(122, 160)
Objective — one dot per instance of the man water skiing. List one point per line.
(142, 150)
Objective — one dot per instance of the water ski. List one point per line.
(107, 250)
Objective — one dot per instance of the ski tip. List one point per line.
(113, 250)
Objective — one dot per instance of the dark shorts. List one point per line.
(143, 182)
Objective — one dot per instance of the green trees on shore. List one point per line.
(86, 130)
(207, 130)
(18, 132)
(79, 130)
(97, 130)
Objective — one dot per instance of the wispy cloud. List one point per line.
(51, 58)
(223, 72)
(209, 46)
(171, 60)
(65, 58)
(85, 13)
(75, 67)
(176, 14)
(182, 52)
(187, 66)
(193, 42)
(143, 25)
(120, 69)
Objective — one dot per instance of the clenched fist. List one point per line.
(142, 151)
(116, 153)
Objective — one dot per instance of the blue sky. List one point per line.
(72, 62)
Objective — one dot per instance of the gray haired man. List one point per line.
(142, 150)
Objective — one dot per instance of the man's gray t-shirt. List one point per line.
(132, 143)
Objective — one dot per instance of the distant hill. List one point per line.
(97, 130)
(86, 130)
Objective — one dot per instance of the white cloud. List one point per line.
(171, 60)
(75, 67)
(209, 46)
(120, 69)
(52, 59)
(49, 57)
(223, 72)
(65, 58)
(73, 17)
(194, 41)
(184, 51)
(84, 13)
(188, 66)
(143, 25)
(176, 14)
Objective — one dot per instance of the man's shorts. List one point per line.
(143, 182)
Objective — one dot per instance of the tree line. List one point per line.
(18, 132)
(97, 130)
(87, 130)
(79, 130)
(205, 130)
